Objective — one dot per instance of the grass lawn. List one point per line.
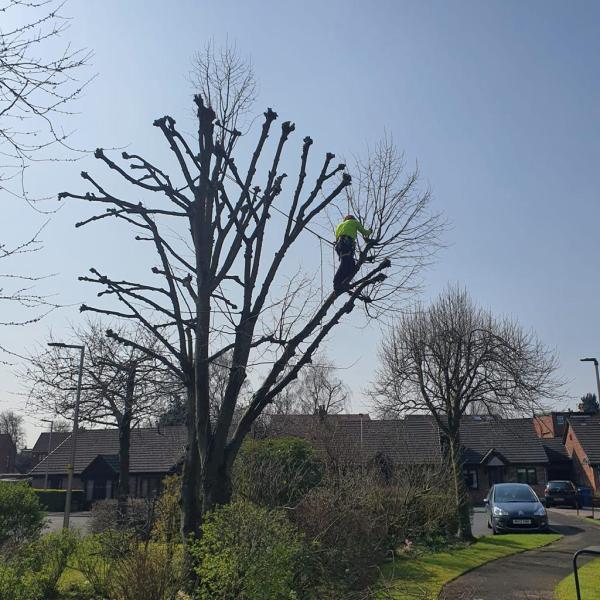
(589, 582)
(423, 577)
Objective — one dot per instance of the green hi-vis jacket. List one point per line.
(350, 228)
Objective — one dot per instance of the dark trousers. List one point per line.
(345, 272)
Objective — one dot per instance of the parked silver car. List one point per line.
(515, 507)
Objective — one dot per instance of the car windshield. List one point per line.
(559, 485)
(514, 493)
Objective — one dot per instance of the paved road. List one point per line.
(79, 520)
(532, 575)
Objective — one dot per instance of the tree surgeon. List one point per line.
(345, 244)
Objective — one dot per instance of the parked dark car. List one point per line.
(515, 507)
(562, 493)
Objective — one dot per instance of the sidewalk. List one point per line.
(584, 513)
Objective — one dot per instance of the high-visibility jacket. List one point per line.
(350, 228)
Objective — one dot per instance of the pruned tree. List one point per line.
(446, 357)
(121, 385)
(589, 403)
(222, 286)
(37, 82)
(12, 424)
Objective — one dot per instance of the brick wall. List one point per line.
(584, 473)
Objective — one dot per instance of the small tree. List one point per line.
(12, 424)
(121, 386)
(444, 358)
(589, 403)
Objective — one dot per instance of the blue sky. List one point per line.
(499, 102)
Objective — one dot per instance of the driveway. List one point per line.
(531, 575)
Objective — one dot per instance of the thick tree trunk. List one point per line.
(191, 507)
(124, 445)
(461, 497)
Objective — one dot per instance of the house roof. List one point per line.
(514, 439)
(6, 441)
(418, 443)
(555, 450)
(151, 451)
(103, 461)
(587, 430)
(57, 438)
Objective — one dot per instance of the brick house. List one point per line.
(153, 454)
(582, 442)
(499, 451)
(8, 454)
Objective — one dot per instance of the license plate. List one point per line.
(522, 521)
(559, 499)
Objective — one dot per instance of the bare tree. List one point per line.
(37, 85)
(317, 390)
(447, 357)
(221, 284)
(390, 201)
(121, 386)
(12, 424)
(18, 289)
(37, 82)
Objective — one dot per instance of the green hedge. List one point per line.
(54, 500)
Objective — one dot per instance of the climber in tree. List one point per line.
(345, 241)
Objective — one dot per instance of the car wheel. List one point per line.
(489, 525)
(494, 530)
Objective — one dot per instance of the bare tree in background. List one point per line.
(37, 82)
(388, 200)
(221, 284)
(12, 424)
(121, 386)
(444, 358)
(317, 391)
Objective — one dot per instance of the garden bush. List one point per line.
(276, 472)
(32, 572)
(247, 552)
(150, 571)
(21, 516)
(17, 585)
(346, 518)
(140, 514)
(167, 513)
(97, 556)
(47, 558)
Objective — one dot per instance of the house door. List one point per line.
(495, 475)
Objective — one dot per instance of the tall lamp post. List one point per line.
(49, 450)
(595, 361)
(71, 466)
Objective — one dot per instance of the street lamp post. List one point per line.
(595, 361)
(49, 450)
(71, 466)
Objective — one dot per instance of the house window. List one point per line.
(470, 476)
(527, 475)
(560, 420)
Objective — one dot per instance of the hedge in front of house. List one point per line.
(54, 500)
